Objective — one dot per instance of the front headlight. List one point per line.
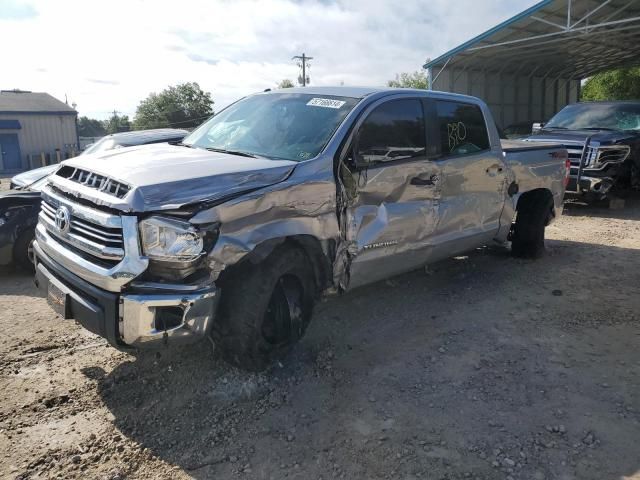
(170, 240)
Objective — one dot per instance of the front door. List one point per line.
(473, 188)
(10, 153)
(394, 211)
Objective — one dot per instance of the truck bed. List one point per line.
(509, 146)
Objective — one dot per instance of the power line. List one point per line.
(303, 59)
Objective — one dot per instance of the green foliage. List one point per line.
(90, 127)
(117, 123)
(181, 106)
(286, 83)
(410, 80)
(621, 84)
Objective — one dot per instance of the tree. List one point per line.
(410, 80)
(90, 127)
(621, 84)
(286, 83)
(181, 106)
(117, 123)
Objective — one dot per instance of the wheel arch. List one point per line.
(319, 253)
(531, 197)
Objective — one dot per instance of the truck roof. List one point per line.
(361, 92)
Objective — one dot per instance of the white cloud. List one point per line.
(110, 55)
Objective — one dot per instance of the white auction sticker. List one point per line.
(325, 102)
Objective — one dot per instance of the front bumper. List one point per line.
(132, 319)
(597, 185)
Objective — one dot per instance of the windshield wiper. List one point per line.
(231, 152)
(550, 127)
(601, 128)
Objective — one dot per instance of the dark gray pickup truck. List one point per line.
(603, 141)
(281, 197)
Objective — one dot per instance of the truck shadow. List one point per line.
(426, 372)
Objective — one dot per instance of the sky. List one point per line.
(109, 55)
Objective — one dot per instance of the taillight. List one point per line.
(563, 154)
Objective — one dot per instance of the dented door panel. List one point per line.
(472, 198)
(391, 223)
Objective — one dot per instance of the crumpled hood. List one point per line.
(164, 176)
(603, 137)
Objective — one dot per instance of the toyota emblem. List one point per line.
(63, 219)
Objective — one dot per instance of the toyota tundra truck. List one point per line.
(235, 232)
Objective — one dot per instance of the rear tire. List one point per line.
(533, 216)
(264, 309)
(23, 250)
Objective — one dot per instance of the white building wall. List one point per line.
(42, 133)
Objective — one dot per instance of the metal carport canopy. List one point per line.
(556, 40)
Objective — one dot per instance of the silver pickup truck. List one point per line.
(281, 197)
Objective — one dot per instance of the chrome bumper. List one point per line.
(170, 316)
(140, 316)
(585, 184)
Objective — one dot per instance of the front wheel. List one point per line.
(264, 309)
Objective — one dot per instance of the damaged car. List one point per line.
(234, 233)
(18, 218)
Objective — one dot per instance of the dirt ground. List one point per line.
(482, 367)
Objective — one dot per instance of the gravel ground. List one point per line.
(481, 367)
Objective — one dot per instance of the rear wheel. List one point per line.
(265, 309)
(23, 249)
(532, 218)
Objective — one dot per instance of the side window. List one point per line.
(393, 131)
(462, 128)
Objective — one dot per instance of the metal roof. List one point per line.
(555, 38)
(19, 101)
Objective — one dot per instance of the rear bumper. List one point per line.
(135, 319)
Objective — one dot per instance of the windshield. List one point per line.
(622, 116)
(289, 126)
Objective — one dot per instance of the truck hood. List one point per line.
(165, 177)
(603, 137)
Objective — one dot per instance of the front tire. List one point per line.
(264, 309)
(23, 250)
(532, 218)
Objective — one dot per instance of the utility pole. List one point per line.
(303, 59)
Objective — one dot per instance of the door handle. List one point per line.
(494, 170)
(422, 182)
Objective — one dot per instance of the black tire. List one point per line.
(264, 309)
(23, 250)
(532, 218)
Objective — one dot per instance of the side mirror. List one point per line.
(537, 127)
(358, 160)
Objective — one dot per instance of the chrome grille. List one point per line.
(102, 239)
(94, 180)
(597, 157)
(613, 154)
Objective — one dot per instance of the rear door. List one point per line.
(474, 176)
(395, 209)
